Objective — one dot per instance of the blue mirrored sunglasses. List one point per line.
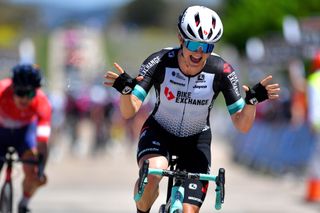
(194, 46)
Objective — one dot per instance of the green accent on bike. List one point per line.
(218, 198)
(207, 177)
(139, 92)
(138, 195)
(155, 171)
(235, 107)
(177, 195)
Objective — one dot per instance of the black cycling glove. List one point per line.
(256, 94)
(124, 83)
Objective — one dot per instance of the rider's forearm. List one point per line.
(129, 105)
(244, 119)
(43, 149)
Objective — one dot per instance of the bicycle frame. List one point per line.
(6, 196)
(177, 191)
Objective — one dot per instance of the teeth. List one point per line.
(195, 59)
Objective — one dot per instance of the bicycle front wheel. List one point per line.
(6, 198)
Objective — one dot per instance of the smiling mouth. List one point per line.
(195, 60)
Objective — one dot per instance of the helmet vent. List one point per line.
(200, 32)
(210, 34)
(218, 35)
(213, 23)
(190, 31)
(197, 19)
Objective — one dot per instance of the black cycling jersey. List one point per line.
(184, 102)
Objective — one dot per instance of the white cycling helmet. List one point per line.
(199, 23)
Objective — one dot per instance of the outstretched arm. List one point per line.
(243, 120)
(129, 104)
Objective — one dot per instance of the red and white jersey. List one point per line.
(39, 110)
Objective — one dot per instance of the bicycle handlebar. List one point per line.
(219, 180)
(39, 162)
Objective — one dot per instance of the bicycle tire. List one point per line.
(6, 198)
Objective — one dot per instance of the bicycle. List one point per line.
(6, 195)
(175, 192)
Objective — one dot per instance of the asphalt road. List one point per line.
(104, 184)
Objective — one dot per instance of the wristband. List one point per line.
(256, 94)
(124, 83)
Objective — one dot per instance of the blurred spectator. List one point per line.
(101, 109)
(298, 92)
(313, 185)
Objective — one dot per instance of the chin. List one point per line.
(22, 106)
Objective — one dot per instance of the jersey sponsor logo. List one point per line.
(254, 101)
(146, 67)
(195, 199)
(143, 134)
(227, 68)
(205, 129)
(200, 86)
(193, 186)
(169, 94)
(178, 75)
(171, 54)
(126, 90)
(185, 98)
(235, 82)
(201, 77)
(177, 83)
(157, 143)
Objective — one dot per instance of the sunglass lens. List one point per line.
(23, 93)
(195, 46)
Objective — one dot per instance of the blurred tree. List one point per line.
(246, 18)
(144, 13)
(16, 21)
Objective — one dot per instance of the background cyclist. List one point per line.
(187, 80)
(25, 115)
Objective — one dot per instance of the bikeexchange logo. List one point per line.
(169, 94)
(184, 97)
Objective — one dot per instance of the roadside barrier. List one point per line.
(276, 148)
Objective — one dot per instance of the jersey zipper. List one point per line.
(184, 108)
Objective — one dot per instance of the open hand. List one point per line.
(273, 90)
(112, 76)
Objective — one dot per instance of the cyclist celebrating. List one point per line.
(25, 115)
(187, 80)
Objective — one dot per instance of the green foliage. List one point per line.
(246, 18)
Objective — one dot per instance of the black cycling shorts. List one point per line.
(193, 152)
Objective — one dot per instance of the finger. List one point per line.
(139, 78)
(107, 83)
(272, 86)
(273, 96)
(274, 91)
(245, 88)
(117, 66)
(111, 75)
(266, 80)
